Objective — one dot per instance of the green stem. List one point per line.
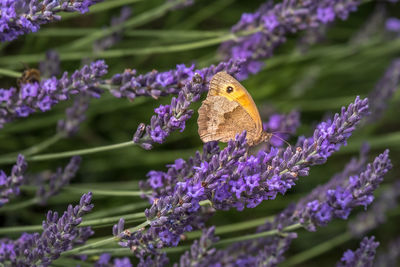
(102, 242)
(100, 7)
(10, 73)
(317, 250)
(164, 34)
(230, 228)
(258, 235)
(117, 193)
(79, 152)
(10, 158)
(116, 210)
(94, 223)
(20, 205)
(133, 22)
(70, 56)
(204, 13)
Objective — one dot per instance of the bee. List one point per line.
(30, 75)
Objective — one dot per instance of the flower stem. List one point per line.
(133, 22)
(317, 250)
(231, 228)
(10, 158)
(106, 5)
(80, 152)
(19, 205)
(102, 242)
(258, 235)
(162, 34)
(117, 193)
(117, 210)
(77, 55)
(10, 73)
(94, 223)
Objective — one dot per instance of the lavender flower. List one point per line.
(156, 84)
(51, 65)
(266, 251)
(311, 37)
(58, 180)
(42, 96)
(104, 261)
(19, 17)
(269, 251)
(201, 252)
(372, 26)
(75, 115)
(271, 24)
(337, 198)
(376, 214)
(391, 257)
(59, 234)
(282, 126)
(173, 117)
(363, 256)
(147, 244)
(236, 180)
(116, 36)
(9, 185)
(384, 90)
(230, 178)
(393, 25)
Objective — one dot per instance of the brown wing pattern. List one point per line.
(221, 119)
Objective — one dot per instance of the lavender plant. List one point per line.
(149, 86)
(22, 17)
(363, 256)
(59, 234)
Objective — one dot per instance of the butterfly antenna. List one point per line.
(280, 138)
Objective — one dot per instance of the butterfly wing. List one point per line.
(220, 119)
(219, 85)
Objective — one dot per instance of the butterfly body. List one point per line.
(229, 110)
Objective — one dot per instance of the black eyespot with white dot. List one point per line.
(229, 89)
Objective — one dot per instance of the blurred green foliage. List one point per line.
(336, 68)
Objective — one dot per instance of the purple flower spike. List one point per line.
(9, 185)
(42, 96)
(231, 178)
(57, 180)
(173, 117)
(384, 90)
(342, 194)
(201, 252)
(116, 36)
(267, 251)
(22, 17)
(393, 25)
(51, 65)
(363, 256)
(282, 126)
(376, 214)
(391, 256)
(156, 84)
(75, 115)
(274, 23)
(104, 261)
(59, 234)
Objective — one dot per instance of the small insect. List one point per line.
(30, 75)
(229, 110)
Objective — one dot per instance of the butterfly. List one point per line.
(229, 110)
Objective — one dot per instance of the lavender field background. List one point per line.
(102, 164)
